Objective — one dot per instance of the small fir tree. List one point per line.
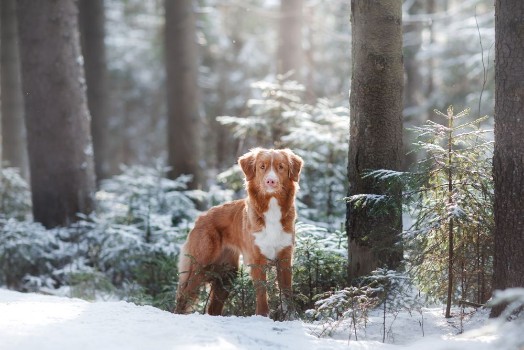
(453, 209)
(450, 195)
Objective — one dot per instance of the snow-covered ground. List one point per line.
(32, 321)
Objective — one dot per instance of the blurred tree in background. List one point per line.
(14, 146)
(183, 96)
(56, 113)
(92, 37)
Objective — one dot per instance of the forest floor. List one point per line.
(34, 321)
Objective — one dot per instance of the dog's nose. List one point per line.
(271, 182)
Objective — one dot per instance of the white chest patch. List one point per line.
(272, 238)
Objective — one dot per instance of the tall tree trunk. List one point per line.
(57, 119)
(413, 92)
(92, 30)
(182, 90)
(451, 257)
(414, 84)
(14, 148)
(508, 160)
(290, 53)
(224, 144)
(432, 9)
(375, 131)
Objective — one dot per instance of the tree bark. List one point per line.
(14, 147)
(375, 131)
(57, 119)
(182, 90)
(290, 53)
(508, 160)
(451, 256)
(92, 30)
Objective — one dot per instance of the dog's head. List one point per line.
(271, 170)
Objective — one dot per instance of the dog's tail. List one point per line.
(184, 265)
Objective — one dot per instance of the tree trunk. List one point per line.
(432, 7)
(92, 30)
(375, 131)
(224, 144)
(57, 119)
(508, 160)
(182, 90)
(451, 257)
(290, 53)
(14, 148)
(414, 97)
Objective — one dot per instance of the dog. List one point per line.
(260, 227)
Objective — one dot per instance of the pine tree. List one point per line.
(290, 54)
(182, 90)
(375, 131)
(92, 30)
(57, 119)
(449, 192)
(508, 161)
(14, 146)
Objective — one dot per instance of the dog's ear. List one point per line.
(247, 163)
(295, 165)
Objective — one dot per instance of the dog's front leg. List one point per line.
(284, 278)
(258, 275)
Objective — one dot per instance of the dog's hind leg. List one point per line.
(201, 250)
(225, 273)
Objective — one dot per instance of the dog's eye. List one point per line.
(262, 166)
(280, 167)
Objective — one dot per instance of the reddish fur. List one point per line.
(224, 232)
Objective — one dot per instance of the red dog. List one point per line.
(260, 227)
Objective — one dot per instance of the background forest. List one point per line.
(265, 73)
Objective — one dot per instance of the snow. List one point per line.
(33, 321)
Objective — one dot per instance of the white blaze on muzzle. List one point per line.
(271, 180)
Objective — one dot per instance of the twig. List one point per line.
(484, 69)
